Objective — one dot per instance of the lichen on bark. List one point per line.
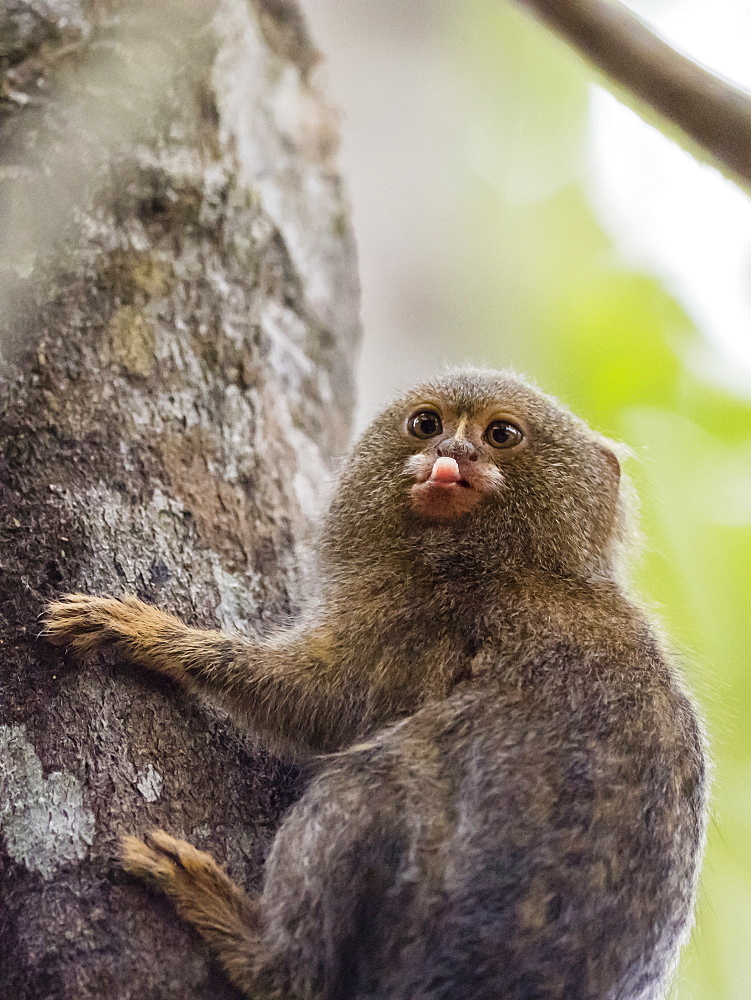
(178, 318)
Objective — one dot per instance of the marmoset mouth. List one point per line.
(446, 494)
(445, 488)
(446, 472)
(456, 484)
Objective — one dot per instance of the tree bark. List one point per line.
(178, 317)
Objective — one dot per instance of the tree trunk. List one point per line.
(178, 316)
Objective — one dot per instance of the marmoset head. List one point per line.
(482, 465)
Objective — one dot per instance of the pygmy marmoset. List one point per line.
(511, 805)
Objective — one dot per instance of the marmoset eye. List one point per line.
(503, 434)
(425, 424)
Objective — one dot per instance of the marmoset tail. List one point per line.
(511, 805)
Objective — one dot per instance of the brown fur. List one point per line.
(514, 803)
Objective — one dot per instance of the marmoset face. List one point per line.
(481, 460)
(481, 440)
(462, 456)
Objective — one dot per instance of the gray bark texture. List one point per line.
(178, 319)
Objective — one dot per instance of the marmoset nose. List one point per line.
(458, 449)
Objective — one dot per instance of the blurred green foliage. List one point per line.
(619, 350)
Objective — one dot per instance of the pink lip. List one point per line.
(446, 473)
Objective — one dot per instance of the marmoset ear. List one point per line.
(615, 454)
(608, 451)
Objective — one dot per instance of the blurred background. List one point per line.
(510, 212)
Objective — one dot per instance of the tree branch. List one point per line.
(713, 113)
